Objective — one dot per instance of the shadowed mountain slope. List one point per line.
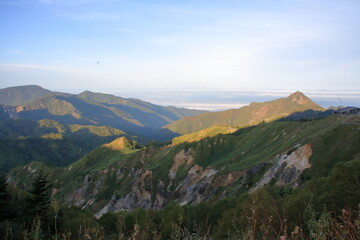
(144, 113)
(20, 95)
(24, 141)
(88, 108)
(117, 176)
(246, 116)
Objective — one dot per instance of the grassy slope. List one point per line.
(20, 95)
(87, 108)
(23, 141)
(172, 113)
(71, 177)
(245, 116)
(205, 133)
(332, 142)
(26, 128)
(249, 146)
(146, 113)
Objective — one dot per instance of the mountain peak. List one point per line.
(299, 98)
(296, 94)
(119, 144)
(86, 92)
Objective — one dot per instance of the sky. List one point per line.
(119, 46)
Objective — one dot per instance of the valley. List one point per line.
(179, 120)
(286, 150)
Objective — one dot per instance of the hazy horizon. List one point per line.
(223, 100)
(112, 45)
(218, 100)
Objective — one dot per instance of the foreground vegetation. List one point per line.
(324, 205)
(323, 208)
(242, 150)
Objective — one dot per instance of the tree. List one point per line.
(38, 203)
(5, 201)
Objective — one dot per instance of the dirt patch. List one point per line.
(179, 159)
(227, 179)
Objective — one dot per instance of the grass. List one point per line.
(253, 114)
(332, 142)
(23, 141)
(208, 132)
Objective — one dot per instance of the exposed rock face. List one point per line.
(8, 112)
(227, 179)
(162, 196)
(196, 187)
(196, 184)
(85, 195)
(138, 197)
(144, 190)
(288, 167)
(181, 158)
(199, 184)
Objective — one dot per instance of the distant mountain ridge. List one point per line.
(248, 115)
(24, 141)
(88, 108)
(16, 96)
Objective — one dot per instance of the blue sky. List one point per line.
(118, 45)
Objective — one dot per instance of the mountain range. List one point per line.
(276, 164)
(246, 116)
(88, 108)
(33, 116)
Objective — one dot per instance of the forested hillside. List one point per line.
(249, 115)
(219, 187)
(88, 108)
(24, 141)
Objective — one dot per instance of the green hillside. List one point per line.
(97, 109)
(246, 116)
(146, 114)
(205, 133)
(284, 164)
(24, 141)
(220, 187)
(230, 164)
(20, 95)
(44, 127)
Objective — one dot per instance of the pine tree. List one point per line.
(38, 203)
(5, 201)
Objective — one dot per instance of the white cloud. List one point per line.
(48, 2)
(88, 16)
(19, 66)
(14, 51)
(220, 46)
(201, 105)
(33, 68)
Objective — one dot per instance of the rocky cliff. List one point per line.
(118, 177)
